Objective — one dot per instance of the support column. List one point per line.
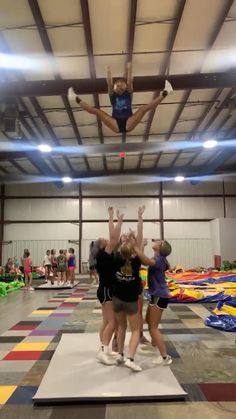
(2, 222)
(224, 202)
(80, 226)
(161, 211)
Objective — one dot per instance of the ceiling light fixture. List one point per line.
(45, 148)
(179, 178)
(66, 179)
(210, 144)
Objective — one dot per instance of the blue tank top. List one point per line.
(71, 261)
(121, 105)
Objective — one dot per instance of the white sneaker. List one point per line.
(120, 359)
(113, 353)
(71, 94)
(161, 361)
(105, 358)
(131, 365)
(31, 289)
(167, 89)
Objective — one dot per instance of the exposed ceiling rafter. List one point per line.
(36, 12)
(92, 69)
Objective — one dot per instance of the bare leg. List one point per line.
(154, 317)
(135, 326)
(26, 280)
(105, 118)
(121, 331)
(30, 279)
(108, 326)
(134, 120)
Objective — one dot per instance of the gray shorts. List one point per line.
(127, 308)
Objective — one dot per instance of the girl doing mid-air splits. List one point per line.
(120, 92)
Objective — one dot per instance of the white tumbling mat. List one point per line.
(49, 286)
(75, 375)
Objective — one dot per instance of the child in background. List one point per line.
(93, 250)
(54, 265)
(27, 264)
(61, 267)
(47, 263)
(71, 265)
(9, 268)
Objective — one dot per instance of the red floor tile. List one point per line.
(22, 355)
(24, 327)
(219, 392)
(69, 305)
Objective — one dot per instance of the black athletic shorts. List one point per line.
(159, 302)
(104, 294)
(121, 122)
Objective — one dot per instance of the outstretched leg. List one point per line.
(105, 118)
(134, 120)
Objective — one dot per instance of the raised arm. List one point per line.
(140, 226)
(111, 222)
(109, 81)
(116, 234)
(129, 78)
(144, 259)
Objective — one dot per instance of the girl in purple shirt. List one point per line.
(159, 293)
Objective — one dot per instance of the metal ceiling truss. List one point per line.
(92, 69)
(211, 42)
(36, 12)
(130, 43)
(164, 69)
(141, 84)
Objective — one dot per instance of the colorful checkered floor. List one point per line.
(204, 360)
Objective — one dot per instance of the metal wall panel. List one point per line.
(174, 188)
(41, 189)
(193, 208)
(61, 231)
(126, 190)
(191, 252)
(187, 230)
(230, 186)
(230, 207)
(96, 209)
(42, 209)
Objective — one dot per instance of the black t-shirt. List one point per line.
(105, 268)
(127, 279)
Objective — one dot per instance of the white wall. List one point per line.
(215, 236)
(193, 243)
(228, 238)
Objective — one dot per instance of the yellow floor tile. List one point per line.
(6, 392)
(31, 346)
(72, 299)
(42, 312)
